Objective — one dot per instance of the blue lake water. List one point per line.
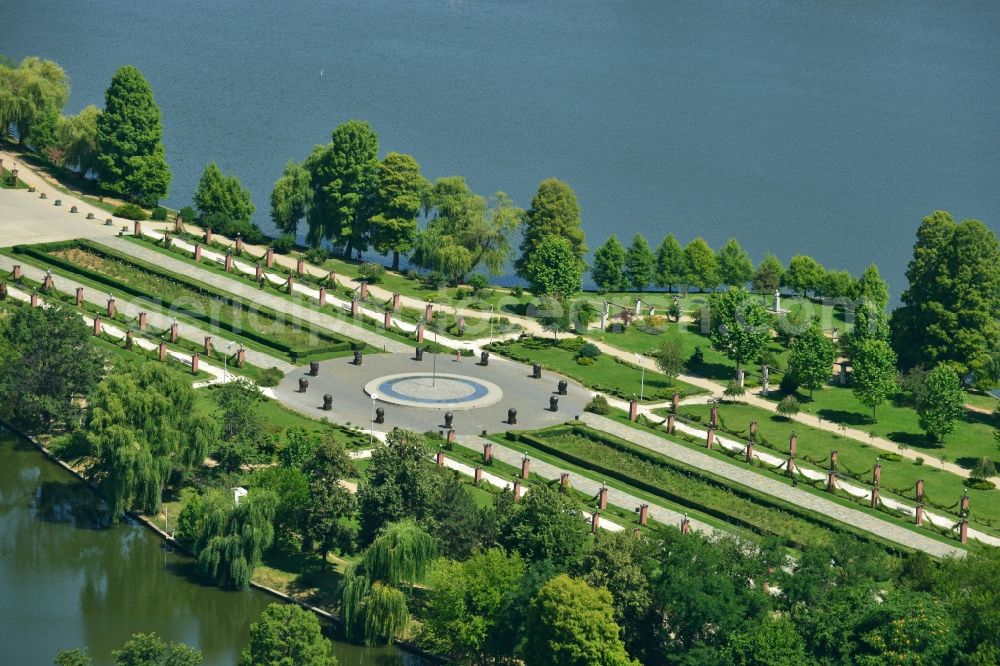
(826, 128)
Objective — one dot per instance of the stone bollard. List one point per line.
(303, 384)
(709, 437)
(564, 482)
(419, 353)
(428, 312)
(793, 444)
(358, 358)
(685, 525)
(602, 497)
(511, 416)
(420, 333)
(195, 363)
(553, 403)
(487, 453)
(74, 209)
(208, 345)
(561, 387)
(143, 320)
(387, 320)
(484, 358)
(397, 301)
(478, 475)
(97, 325)
(79, 297)
(197, 251)
(525, 467)
(241, 357)
(439, 458)
(749, 452)
(327, 402)
(208, 235)
(536, 371)
(753, 428)
(137, 229)
(675, 401)
(595, 522)
(322, 297)
(633, 409)
(379, 415)
(269, 257)
(112, 308)
(364, 291)
(671, 423)
(713, 419)
(314, 368)
(163, 351)
(229, 262)
(643, 514)
(174, 333)
(449, 418)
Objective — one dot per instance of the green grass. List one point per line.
(606, 374)
(5, 183)
(972, 439)
(814, 445)
(982, 401)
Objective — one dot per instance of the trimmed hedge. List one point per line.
(42, 253)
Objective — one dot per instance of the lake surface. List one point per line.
(69, 580)
(802, 126)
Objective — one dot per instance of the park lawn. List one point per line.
(606, 375)
(5, 182)
(814, 446)
(972, 439)
(982, 401)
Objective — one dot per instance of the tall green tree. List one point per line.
(735, 266)
(32, 93)
(222, 194)
(460, 525)
(47, 357)
(401, 553)
(343, 175)
(951, 310)
(572, 623)
(141, 427)
(772, 641)
(609, 262)
(151, 650)
(286, 635)
(640, 264)
(554, 212)
(769, 275)
(399, 191)
(741, 328)
(546, 525)
(838, 284)
(702, 265)
(330, 505)
(670, 267)
(554, 269)
(291, 197)
(874, 375)
(810, 359)
(234, 536)
(241, 423)
(78, 140)
(908, 628)
(804, 274)
(942, 403)
(871, 287)
(130, 157)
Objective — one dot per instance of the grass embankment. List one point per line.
(607, 374)
(7, 181)
(898, 475)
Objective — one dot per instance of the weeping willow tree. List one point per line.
(234, 537)
(403, 552)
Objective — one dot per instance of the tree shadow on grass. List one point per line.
(843, 416)
(966, 462)
(913, 440)
(709, 370)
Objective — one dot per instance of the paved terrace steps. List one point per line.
(746, 477)
(253, 295)
(156, 319)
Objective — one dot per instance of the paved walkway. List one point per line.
(746, 477)
(156, 320)
(254, 295)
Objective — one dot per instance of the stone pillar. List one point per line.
(643, 514)
(322, 296)
(564, 482)
(290, 283)
(97, 325)
(517, 490)
(143, 320)
(777, 301)
(112, 308)
(428, 312)
(208, 345)
(269, 257)
(259, 273)
(451, 436)
(638, 307)
(137, 229)
(47, 281)
(602, 497)
(877, 473)
(440, 458)
(3, 290)
(364, 291)
(671, 423)
(709, 437)
(790, 466)
(685, 525)
(920, 490)
(525, 467)
(197, 251)
(173, 332)
(749, 452)
(604, 316)
(764, 381)
(241, 357)
(487, 453)
(831, 480)
(239, 244)
(874, 498)
(387, 320)
(208, 235)
(963, 531)
(355, 307)
(793, 444)
(79, 297)
(300, 267)
(919, 514)
(163, 351)
(396, 302)
(633, 409)
(713, 416)
(34, 299)
(741, 377)
(833, 461)
(229, 262)
(595, 522)
(753, 429)
(675, 401)
(194, 363)
(331, 278)
(16, 273)
(420, 332)
(963, 504)
(478, 475)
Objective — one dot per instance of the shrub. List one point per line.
(573, 344)
(598, 404)
(788, 406)
(221, 224)
(983, 469)
(891, 457)
(130, 211)
(188, 214)
(460, 293)
(316, 255)
(980, 484)
(283, 244)
(517, 291)
(589, 350)
(433, 280)
(584, 360)
(478, 282)
(918, 461)
(789, 383)
(413, 274)
(270, 377)
(371, 271)
(159, 214)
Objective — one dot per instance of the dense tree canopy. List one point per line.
(769, 276)
(398, 194)
(222, 194)
(554, 212)
(554, 268)
(291, 197)
(740, 326)
(130, 140)
(942, 403)
(31, 94)
(286, 635)
(609, 262)
(735, 266)
(78, 140)
(874, 373)
(546, 525)
(640, 264)
(670, 267)
(804, 274)
(702, 265)
(234, 536)
(810, 360)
